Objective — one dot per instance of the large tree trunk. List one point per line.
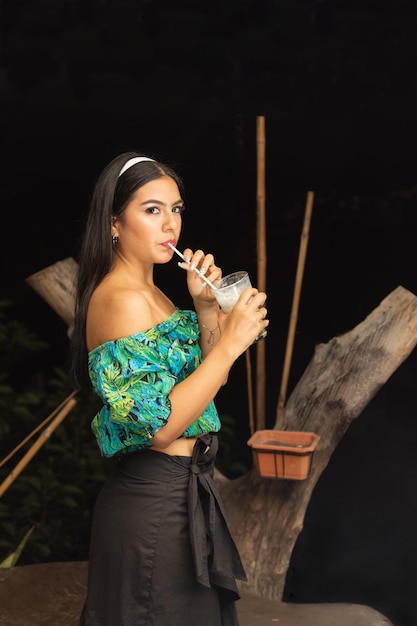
(267, 515)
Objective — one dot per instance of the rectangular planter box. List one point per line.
(283, 453)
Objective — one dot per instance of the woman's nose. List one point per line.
(170, 221)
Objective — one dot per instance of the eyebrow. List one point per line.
(180, 201)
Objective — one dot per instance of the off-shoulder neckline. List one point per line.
(167, 322)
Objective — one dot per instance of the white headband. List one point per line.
(131, 162)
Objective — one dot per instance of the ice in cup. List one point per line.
(229, 288)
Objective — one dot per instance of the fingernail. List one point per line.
(187, 259)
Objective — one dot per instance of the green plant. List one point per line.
(13, 558)
(53, 496)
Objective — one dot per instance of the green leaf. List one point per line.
(11, 560)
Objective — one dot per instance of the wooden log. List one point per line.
(267, 515)
(56, 285)
(54, 593)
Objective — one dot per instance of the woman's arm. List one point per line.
(205, 304)
(190, 397)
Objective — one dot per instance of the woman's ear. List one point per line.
(114, 231)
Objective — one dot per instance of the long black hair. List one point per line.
(111, 195)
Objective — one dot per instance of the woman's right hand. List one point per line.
(245, 322)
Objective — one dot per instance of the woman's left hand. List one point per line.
(199, 290)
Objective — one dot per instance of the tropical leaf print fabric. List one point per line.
(134, 376)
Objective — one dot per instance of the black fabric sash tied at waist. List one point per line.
(216, 557)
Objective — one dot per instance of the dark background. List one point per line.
(81, 81)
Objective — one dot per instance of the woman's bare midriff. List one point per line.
(179, 447)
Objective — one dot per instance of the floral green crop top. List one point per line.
(134, 376)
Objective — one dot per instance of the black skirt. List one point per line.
(161, 553)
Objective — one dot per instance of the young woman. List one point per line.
(161, 553)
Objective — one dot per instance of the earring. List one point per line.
(114, 239)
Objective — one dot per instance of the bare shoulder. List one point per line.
(116, 313)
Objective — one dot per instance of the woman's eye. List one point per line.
(153, 210)
(179, 209)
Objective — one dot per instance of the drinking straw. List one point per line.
(295, 303)
(206, 280)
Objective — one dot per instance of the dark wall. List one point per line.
(83, 81)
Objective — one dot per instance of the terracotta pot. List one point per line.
(283, 453)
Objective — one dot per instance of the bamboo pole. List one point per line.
(37, 429)
(56, 284)
(43, 437)
(295, 304)
(250, 392)
(262, 258)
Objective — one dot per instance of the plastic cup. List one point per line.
(229, 288)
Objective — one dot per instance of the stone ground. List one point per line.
(52, 595)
